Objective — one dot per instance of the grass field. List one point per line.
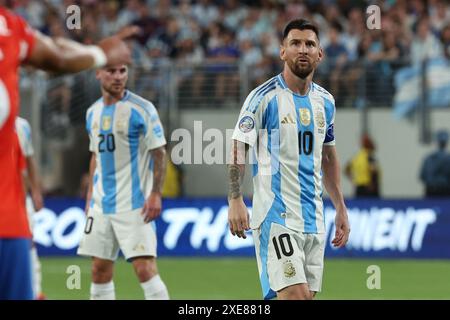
(236, 278)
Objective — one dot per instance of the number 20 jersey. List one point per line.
(121, 136)
(287, 132)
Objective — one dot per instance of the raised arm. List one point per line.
(153, 204)
(238, 217)
(332, 182)
(67, 56)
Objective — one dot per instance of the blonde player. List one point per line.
(126, 177)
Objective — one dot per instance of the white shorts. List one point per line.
(105, 234)
(286, 257)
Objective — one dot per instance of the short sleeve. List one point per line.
(249, 121)
(154, 136)
(330, 112)
(89, 116)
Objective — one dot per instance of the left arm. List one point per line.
(153, 205)
(332, 182)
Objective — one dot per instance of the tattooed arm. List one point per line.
(238, 218)
(152, 206)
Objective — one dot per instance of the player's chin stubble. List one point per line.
(302, 73)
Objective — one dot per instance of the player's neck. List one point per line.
(296, 84)
(109, 99)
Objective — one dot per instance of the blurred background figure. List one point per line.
(34, 199)
(363, 170)
(435, 172)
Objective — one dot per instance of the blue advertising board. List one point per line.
(198, 227)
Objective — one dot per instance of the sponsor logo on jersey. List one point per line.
(288, 119)
(305, 116)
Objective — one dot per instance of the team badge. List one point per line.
(95, 126)
(246, 124)
(305, 116)
(289, 270)
(320, 120)
(106, 123)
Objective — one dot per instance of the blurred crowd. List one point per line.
(220, 33)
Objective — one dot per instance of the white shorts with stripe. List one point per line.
(286, 257)
(105, 234)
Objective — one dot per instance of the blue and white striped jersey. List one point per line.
(287, 132)
(121, 136)
(23, 131)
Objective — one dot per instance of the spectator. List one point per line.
(435, 171)
(363, 170)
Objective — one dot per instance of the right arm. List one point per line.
(34, 183)
(238, 217)
(92, 166)
(67, 56)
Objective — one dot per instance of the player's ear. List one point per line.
(282, 52)
(320, 54)
(98, 73)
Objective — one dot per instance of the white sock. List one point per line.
(36, 272)
(103, 291)
(155, 289)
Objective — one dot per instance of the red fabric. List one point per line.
(15, 37)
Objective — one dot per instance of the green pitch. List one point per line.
(236, 278)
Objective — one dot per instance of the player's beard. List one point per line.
(299, 71)
(115, 89)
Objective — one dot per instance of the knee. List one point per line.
(145, 269)
(295, 292)
(299, 295)
(101, 272)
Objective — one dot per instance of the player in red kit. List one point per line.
(20, 44)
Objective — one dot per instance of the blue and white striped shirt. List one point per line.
(287, 131)
(121, 136)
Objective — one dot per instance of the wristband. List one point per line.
(98, 55)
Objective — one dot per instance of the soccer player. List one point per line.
(126, 177)
(290, 121)
(34, 200)
(20, 44)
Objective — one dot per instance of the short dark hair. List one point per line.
(300, 24)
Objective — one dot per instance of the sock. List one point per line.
(103, 291)
(36, 272)
(155, 289)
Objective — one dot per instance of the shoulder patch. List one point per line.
(246, 124)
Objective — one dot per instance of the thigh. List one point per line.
(99, 239)
(280, 258)
(136, 238)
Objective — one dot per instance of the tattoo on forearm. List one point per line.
(159, 170)
(234, 181)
